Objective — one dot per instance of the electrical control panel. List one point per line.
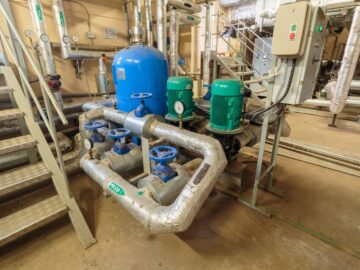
(290, 30)
(307, 57)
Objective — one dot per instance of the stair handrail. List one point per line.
(42, 81)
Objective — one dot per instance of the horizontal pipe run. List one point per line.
(185, 5)
(156, 218)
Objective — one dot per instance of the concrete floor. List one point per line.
(316, 225)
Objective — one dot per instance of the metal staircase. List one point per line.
(237, 66)
(17, 224)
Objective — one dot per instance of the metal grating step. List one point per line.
(10, 114)
(16, 144)
(5, 89)
(30, 218)
(23, 177)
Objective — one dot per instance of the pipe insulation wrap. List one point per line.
(156, 218)
(42, 36)
(349, 63)
(65, 43)
(185, 5)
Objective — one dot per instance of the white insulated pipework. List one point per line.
(348, 65)
(158, 218)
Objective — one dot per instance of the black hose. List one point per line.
(287, 90)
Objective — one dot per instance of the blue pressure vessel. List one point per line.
(140, 69)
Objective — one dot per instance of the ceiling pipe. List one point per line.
(157, 218)
(65, 40)
(348, 65)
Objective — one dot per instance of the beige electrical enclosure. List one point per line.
(292, 21)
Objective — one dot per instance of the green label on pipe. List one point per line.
(39, 12)
(62, 19)
(117, 189)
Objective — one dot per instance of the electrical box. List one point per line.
(308, 53)
(290, 30)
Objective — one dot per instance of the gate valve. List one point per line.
(119, 135)
(54, 82)
(142, 109)
(93, 127)
(163, 154)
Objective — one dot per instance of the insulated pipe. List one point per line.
(348, 65)
(44, 45)
(65, 46)
(207, 48)
(161, 25)
(137, 31)
(149, 26)
(174, 42)
(156, 218)
(185, 5)
(350, 102)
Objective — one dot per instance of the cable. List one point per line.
(287, 90)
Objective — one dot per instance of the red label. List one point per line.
(292, 36)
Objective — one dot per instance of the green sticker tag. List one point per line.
(117, 189)
(190, 18)
(62, 19)
(140, 193)
(39, 12)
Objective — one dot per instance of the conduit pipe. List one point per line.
(178, 216)
(44, 45)
(348, 65)
(65, 46)
(149, 26)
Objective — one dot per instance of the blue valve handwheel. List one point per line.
(141, 95)
(119, 133)
(163, 153)
(92, 125)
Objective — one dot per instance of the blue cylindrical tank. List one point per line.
(139, 69)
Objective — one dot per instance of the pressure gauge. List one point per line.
(75, 39)
(179, 107)
(44, 38)
(66, 39)
(88, 144)
(28, 33)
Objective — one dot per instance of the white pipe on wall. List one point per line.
(348, 65)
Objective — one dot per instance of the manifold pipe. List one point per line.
(161, 24)
(156, 218)
(348, 65)
(207, 52)
(174, 42)
(44, 45)
(65, 46)
(149, 26)
(185, 5)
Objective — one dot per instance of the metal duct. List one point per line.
(185, 5)
(174, 42)
(347, 69)
(207, 52)
(65, 46)
(44, 45)
(157, 218)
(161, 25)
(149, 26)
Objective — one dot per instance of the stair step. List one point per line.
(5, 89)
(23, 177)
(10, 114)
(16, 144)
(28, 219)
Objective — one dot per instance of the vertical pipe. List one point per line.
(148, 16)
(174, 35)
(44, 46)
(207, 49)
(348, 65)
(137, 32)
(161, 24)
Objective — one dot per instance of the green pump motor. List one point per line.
(180, 89)
(226, 106)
